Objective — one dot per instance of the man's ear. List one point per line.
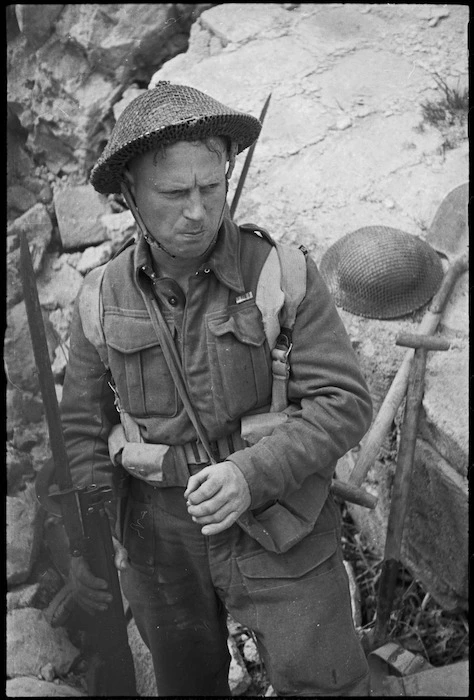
(231, 159)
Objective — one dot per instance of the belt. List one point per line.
(145, 460)
(196, 455)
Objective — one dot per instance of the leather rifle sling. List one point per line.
(174, 365)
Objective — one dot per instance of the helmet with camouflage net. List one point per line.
(164, 115)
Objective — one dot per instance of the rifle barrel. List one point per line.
(248, 160)
(73, 522)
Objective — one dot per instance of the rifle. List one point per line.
(248, 160)
(83, 511)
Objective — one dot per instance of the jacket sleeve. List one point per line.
(333, 404)
(87, 410)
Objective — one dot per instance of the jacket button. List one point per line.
(173, 301)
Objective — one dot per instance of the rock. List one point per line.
(19, 469)
(23, 407)
(32, 643)
(27, 687)
(22, 597)
(239, 677)
(18, 350)
(58, 284)
(119, 228)
(444, 423)
(24, 526)
(144, 673)
(79, 210)
(435, 543)
(60, 320)
(19, 163)
(128, 96)
(94, 257)
(47, 672)
(61, 357)
(343, 123)
(36, 22)
(250, 652)
(14, 283)
(36, 225)
(19, 199)
(113, 37)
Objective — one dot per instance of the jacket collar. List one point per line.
(224, 260)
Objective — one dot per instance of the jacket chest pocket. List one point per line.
(240, 361)
(138, 367)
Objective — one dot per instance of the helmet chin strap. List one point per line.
(127, 195)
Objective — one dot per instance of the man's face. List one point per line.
(180, 193)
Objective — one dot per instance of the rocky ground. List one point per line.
(367, 125)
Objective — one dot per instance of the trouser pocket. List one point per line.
(302, 617)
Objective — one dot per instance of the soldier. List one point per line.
(213, 524)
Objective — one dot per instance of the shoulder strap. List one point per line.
(280, 290)
(293, 281)
(91, 311)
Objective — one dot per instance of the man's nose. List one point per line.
(194, 209)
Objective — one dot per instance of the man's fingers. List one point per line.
(194, 482)
(215, 528)
(89, 591)
(121, 555)
(212, 514)
(202, 487)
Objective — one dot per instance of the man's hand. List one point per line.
(89, 591)
(217, 496)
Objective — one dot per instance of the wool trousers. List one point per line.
(181, 586)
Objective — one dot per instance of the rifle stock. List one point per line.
(111, 668)
(85, 520)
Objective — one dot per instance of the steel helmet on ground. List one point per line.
(164, 115)
(381, 272)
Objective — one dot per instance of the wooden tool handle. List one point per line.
(373, 441)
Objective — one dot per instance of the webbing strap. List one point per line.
(269, 296)
(292, 266)
(293, 281)
(91, 311)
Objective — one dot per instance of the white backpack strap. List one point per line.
(281, 288)
(91, 311)
(269, 296)
(293, 281)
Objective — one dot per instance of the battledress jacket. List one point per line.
(220, 337)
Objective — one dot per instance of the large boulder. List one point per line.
(28, 687)
(32, 643)
(24, 520)
(79, 210)
(76, 60)
(18, 350)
